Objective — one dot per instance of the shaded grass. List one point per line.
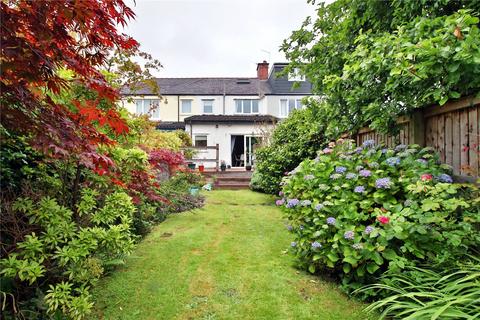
(224, 261)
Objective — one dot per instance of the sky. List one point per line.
(215, 38)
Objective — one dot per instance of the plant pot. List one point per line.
(223, 167)
(248, 167)
(201, 168)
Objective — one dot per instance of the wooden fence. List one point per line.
(453, 130)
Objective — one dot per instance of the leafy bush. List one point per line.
(359, 212)
(69, 251)
(296, 138)
(423, 293)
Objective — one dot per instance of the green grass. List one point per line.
(224, 261)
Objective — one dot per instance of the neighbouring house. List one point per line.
(234, 113)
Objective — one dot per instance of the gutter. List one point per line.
(178, 108)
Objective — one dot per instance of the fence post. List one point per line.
(217, 156)
(417, 128)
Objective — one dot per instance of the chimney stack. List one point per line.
(262, 70)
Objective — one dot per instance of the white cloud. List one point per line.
(215, 37)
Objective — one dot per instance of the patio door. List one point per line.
(250, 144)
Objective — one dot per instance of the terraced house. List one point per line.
(234, 113)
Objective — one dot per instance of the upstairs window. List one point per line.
(288, 105)
(200, 141)
(150, 107)
(186, 106)
(246, 106)
(208, 106)
(296, 76)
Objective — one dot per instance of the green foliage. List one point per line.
(70, 250)
(294, 139)
(375, 60)
(359, 212)
(426, 293)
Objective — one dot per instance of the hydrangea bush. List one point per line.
(358, 212)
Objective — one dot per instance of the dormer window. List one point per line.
(295, 75)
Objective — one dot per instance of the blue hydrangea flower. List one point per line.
(349, 235)
(373, 165)
(384, 150)
(383, 183)
(340, 169)
(316, 245)
(365, 173)
(445, 178)
(293, 244)
(369, 229)
(306, 203)
(331, 221)
(335, 176)
(422, 161)
(359, 189)
(289, 228)
(351, 175)
(358, 168)
(357, 246)
(309, 177)
(319, 207)
(393, 161)
(292, 203)
(358, 150)
(400, 147)
(368, 143)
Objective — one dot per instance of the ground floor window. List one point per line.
(201, 141)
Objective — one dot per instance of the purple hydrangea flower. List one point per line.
(335, 176)
(368, 143)
(369, 229)
(358, 168)
(280, 202)
(293, 244)
(340, 169)
(292, 203)
(383, 183)
(289, 228)
(400, 147)
(393, 161)
(327, 150)
(280, 193)
(319, 207)
(445, 178)
(350, 176)
(316, 245)
(422, 161)
(308, 177)
(358, 150)
(331, 221)
(357, 246)
(306, 203)
(365, 173)
(349, 235)
(384, 150)
(359, 189)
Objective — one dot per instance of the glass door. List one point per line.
(250, 143)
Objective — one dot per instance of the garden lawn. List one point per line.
(224, 261)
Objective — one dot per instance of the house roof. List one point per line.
(170, 125)
(207, 86)
(231, 118)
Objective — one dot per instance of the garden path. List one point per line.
(226, 260)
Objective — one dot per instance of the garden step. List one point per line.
(232, 186)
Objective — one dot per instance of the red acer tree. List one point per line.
(39, 38)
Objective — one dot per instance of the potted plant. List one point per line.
(201, 167)
(248, 167)
(189, 153)
(223, 165)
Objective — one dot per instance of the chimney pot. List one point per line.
(262, 70)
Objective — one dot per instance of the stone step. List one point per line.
(232, 186)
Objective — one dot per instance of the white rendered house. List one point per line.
(232, 112)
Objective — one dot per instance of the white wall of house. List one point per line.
(220, 134)
(273, 104)
(168, 106)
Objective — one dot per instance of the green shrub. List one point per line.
(425, 293)
(69, 251)
(294, 139)
(360, 212)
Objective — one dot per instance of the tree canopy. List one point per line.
(372, 61)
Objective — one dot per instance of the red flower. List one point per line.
(426, 177)
(383, 219)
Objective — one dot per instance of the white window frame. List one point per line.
(298, 105)
(204, 104)
(181, 106)
(296, 76)
(251, 106)
(149, 113)
(200, 135)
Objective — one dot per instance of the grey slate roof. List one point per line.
(231, 118)
(170, 125)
